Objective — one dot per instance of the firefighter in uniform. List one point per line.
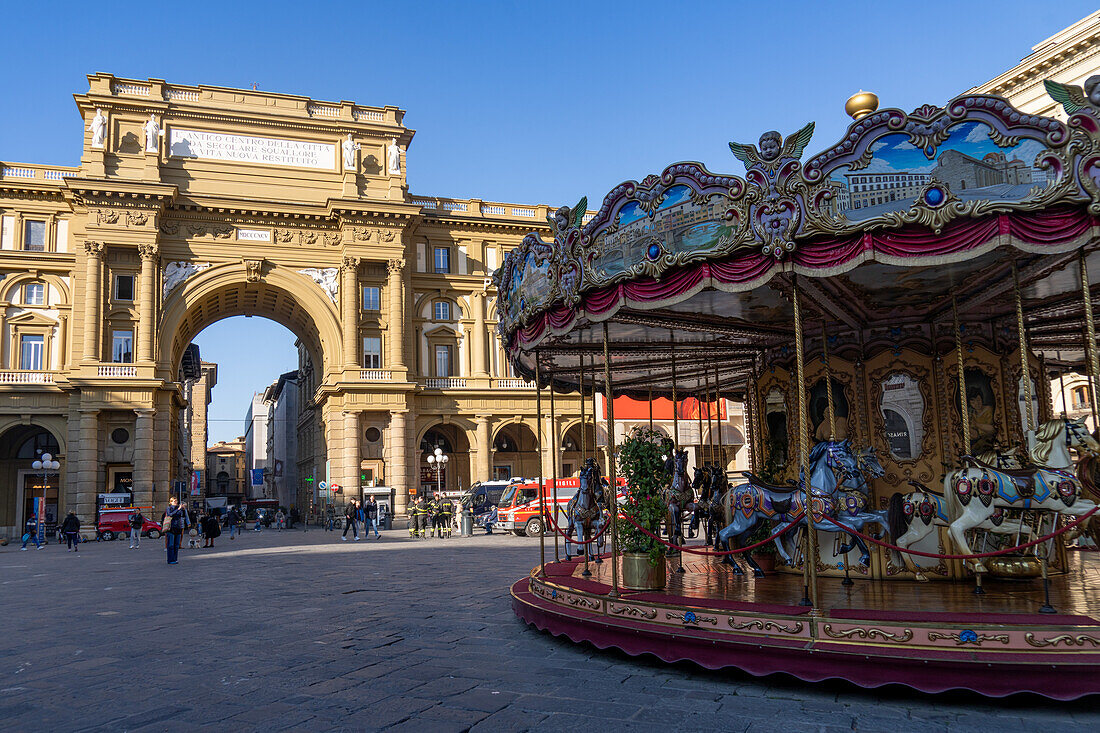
(446, 516)
(418, 518)
(436, 508)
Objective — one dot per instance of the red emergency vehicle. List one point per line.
(518, 509)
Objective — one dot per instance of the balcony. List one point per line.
(117, 371)
(375, 375)
(26, 377)
(445, 383)
(512, 384)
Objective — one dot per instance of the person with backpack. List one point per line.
(175, 522)
(349, 522)
(370, 511)
(232, 519)
(31, 535)
(137, 521)
(71, 529)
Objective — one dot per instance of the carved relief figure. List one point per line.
(99, 129)
(393, 155)
(152, 134)
(350, 147)
(1073, 98)
(176, 272)
(326, 278)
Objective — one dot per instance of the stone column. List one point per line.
(143, 457)
(397, 473)
(477, 343)
(92, 277)
(147, 315)
(349, 309)
(87, 470)
(396, 314)
(482, 463)
(62, 341)
(549, 452)
(350, 477)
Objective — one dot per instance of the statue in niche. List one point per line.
(350, 147)
(152, 134)
(99, 129)
(394, 156)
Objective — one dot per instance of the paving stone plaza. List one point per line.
(298, 630)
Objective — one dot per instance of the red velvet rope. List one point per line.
(692, 551)
(1006, 551)
(569, 538)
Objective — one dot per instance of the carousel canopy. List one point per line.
(886, 234)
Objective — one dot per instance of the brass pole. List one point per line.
(1062, 384)
(542, 448)
(584, 421)
(718, 422)
(1090, 331)
(706, 401)
(595, 414)
(1025, 366)
(809, 562)
(613, 488)
(675, 412)
(749, 411)
(555, 450)
(651, 402)
(828, 383)
(699, 420)
(964, 414)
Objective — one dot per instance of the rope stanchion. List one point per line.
(693, 551)
(1006, 551)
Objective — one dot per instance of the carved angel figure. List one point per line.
(773, 148)
(566, 218)
(1073, 98)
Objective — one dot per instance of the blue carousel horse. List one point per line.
(584, 511)
(759, 501)
(854, 508)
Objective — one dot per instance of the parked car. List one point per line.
(116, 523)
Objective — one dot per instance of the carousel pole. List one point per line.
(809, 562)
(718, 422)
(675, 412)
(750, 417)
(831, 411)
(555, 448)
(1025, 366)
(1062, 383)
(595, 413)
(710, 429)
(1090, 330)
(613, 488)
(584, 458)
(650, 400)
(964, 414)
(699, 421)
(542, 449)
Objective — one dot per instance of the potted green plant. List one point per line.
(640, 462)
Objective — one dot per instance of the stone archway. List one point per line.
(515, 451)
(454, 441)
(20, 445)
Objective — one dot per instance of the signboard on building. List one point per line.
(257, 477)
(251, 149)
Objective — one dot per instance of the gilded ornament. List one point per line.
(860, 633)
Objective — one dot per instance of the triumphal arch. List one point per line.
(194, 203)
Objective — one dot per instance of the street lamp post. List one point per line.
(47, 465)
(438, 459)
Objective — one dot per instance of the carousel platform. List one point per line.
(932, 637)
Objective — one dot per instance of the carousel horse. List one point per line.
(1088, 473)
(929, 508)
(759, 501)
(698, 488)
(857, 499)
(713, 510)
(979, 491)
(584, 511)
(678, 494)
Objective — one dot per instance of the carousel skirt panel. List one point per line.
(871, 635)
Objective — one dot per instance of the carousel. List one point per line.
(891, 313)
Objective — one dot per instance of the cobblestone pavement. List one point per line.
(302, 631)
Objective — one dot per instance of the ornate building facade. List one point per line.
(194, 203)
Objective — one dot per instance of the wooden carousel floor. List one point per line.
(1071, 593)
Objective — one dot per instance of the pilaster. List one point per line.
(87, 470)
(92, 277)
(349, 309)
(396, 315)
(482, 468)
(478, 344)
(397, 465)
(143, 457)
(350, 474)
(150, 255)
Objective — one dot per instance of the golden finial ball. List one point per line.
(861, 104)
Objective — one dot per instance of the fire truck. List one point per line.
(518, 510)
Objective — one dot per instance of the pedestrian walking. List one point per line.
(280, 519)
(232, 519)
(211, 529)
(31, 535)
(350, 522)
(71, 529)
(137, 521)
(175, 522)
(370, 511)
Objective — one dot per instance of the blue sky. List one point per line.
(514, 101)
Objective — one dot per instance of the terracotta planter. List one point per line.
(638, 574)
(766, 562)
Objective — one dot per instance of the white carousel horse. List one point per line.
(914, 516)
(975, 493)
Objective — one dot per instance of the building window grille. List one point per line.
(372, 299)
(442, 259)
(443, 361)
(372, 352)
(441, 310)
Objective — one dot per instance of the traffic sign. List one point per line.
(322, 485)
